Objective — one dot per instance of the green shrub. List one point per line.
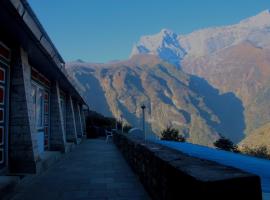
(226, 144)
(260, 151)
(172, 134)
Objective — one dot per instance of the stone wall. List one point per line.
(169, 174)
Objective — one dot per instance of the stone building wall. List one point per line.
(23, 150)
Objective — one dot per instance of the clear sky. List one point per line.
(104, 30)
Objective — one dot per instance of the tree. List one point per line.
(172, 134)
(225, 144)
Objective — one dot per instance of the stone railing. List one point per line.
(169, 174)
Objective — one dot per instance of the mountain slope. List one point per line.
(242, 69)
(171, 96)
(259, 137)
(232, 58)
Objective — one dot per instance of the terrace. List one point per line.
(98, 170)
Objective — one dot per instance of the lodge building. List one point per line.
(40, 109)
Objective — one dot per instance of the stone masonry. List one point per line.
(71, 130)
(170, 174)
(57, 137)
(23, 144)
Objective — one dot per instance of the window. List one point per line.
(1, 135)
(2, 75)
(38, 105)
(1, 115)
(1, 155)
(2, 95)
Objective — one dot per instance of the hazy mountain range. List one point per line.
(208, 83)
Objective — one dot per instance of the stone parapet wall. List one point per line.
(170, 174)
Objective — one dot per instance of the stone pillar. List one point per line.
(71, 124)
(23, 150)
(57, 137)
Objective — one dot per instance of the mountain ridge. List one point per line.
(172, 97)
(200, 42)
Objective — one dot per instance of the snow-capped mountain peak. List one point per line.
(171, 47)
(164, 44)
(260, 20)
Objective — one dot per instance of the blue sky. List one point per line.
(104, 30)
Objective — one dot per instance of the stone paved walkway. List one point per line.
(93, 170)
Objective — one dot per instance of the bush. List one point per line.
(97, 123)
(96, 119)
(172, 134)
(126, 128)
(260, 151)
(226, 144)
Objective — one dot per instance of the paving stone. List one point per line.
(94, 170)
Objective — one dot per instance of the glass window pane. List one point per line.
(1, 115)
(2, 95)
(1, 135)
(2, 75)
(1, 155)
(39, 107)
